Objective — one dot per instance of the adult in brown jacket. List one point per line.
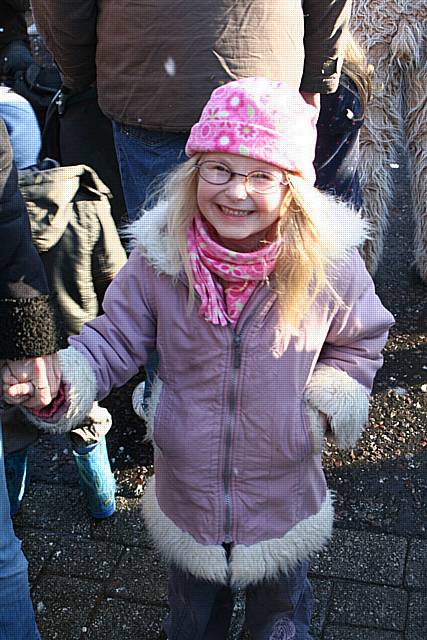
(156, 62)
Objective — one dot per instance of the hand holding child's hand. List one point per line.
(32, 383)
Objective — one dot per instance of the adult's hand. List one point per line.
(32, 383)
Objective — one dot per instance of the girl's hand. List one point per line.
(32, 383)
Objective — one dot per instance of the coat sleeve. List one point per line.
(28, 319)
(351, 355)
(324, 22)
(110, 349)
(69, 31)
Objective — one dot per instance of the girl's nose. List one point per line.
(236, 188)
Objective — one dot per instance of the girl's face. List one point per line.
(241, 219)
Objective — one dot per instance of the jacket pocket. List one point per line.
(291, 439)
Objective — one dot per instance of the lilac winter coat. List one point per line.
(235, 417)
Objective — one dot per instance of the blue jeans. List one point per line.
(144, 158)
(22, 127)
(16, 611)
(200, 610)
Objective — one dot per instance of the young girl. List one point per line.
(248, 282)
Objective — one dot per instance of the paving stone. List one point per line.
(54, 587)
(85, 557)
(416, 568)
(365, 556)
(62, 620)
(125, 527)
(417, 623)
(140, 575)
(120, 619)
(362, 633)
(62, 510)
(322, 590)
(368, 605)
(38, 546)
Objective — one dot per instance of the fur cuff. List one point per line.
(80, 382)
(248, 564)
(30, 328)
(342, 399)
(317, 423)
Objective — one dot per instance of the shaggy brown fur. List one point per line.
(394, 33)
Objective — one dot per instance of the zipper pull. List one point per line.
(237, 354)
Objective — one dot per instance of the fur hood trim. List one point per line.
(341, 230)
(248, 564)
(148, 234)
(80, 382)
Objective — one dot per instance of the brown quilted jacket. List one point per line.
(156, 62)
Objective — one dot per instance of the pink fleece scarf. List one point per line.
(241, 270)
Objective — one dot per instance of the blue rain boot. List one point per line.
(96, 478)
(17, 478)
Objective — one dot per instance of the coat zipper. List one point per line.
(236, 360)
(232, 406)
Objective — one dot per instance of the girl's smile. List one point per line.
(241, 219)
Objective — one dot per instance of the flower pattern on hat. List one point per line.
(261, 119)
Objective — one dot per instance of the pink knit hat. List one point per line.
(261, 119)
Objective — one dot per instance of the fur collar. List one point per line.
(341, 230)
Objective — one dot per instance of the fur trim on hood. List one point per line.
(341, 230)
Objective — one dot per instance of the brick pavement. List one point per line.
(102, 580)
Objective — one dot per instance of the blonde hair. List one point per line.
(301, 271)
(356, 67)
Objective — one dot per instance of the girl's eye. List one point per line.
(219, 168)
(263, 181)
(264, 177)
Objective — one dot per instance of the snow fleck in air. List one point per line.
(170, 66)
(394, 165)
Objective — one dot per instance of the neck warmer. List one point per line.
(240, 271)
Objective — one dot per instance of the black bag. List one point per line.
(77, 132)
(38, 85)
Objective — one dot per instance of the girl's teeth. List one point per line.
(233, 212)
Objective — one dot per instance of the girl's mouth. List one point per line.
(234, 213)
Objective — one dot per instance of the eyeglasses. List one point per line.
(259, 181)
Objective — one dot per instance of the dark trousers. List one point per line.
(200, 610)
